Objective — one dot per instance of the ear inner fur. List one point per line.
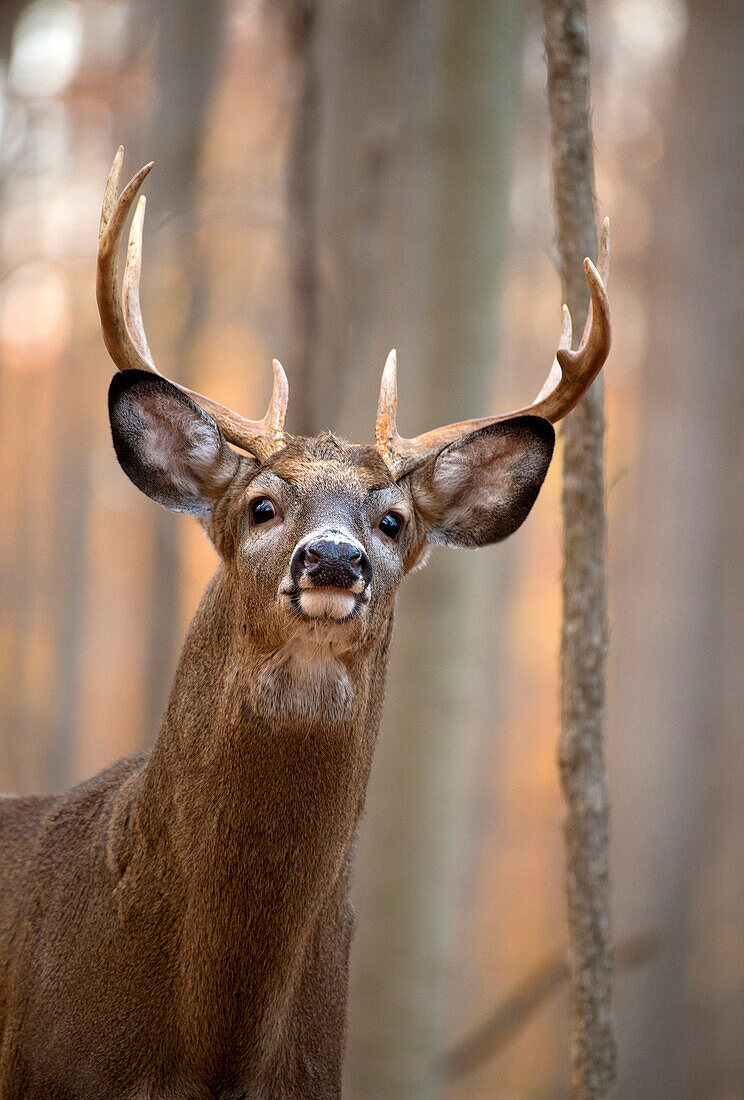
(480, 489)
(167, 445)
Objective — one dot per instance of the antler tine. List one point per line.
(111, 191)
(272, 424)
(124, 330)
(277, 410)
(116, 335)
(603, 270)
(386, 434)
(556, 373)
(131, 283)
(580, 367)
(570, 376)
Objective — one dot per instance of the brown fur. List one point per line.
(179, 925)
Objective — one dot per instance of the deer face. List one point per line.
(320, 532)
(319, 535)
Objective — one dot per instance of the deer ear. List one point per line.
(480, 489)
(170, 448)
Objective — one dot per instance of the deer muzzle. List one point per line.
(331, 574)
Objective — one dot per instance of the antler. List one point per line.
(570, 376)
(124, 331)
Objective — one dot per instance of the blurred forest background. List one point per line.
(334, 178)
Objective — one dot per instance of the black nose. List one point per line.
(332, 562)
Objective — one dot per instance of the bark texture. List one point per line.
(310, 410)
(513, 1014)
(584, 631)
(678, 855)
(188, 53)
(416, 110)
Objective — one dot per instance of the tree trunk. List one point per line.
(311, 394)
(677, 749)
(416, 114)
(584, 631)
(189, 44)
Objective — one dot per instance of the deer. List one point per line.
(179, 925)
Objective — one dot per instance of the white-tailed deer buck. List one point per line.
(178, 926)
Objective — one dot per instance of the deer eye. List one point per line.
(391, 525)
(262, 510)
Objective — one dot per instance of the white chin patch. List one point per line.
(317, 604)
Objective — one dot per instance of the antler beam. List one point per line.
(124, 331)
(570, 376)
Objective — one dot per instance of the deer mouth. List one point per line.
(336, 605)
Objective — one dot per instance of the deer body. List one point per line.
(195, 899)
(179, 926)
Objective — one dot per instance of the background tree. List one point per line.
(584, 633)
(188, 52)
(399, 167)
(677, 733)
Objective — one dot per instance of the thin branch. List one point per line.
(512, 1014)
(584, 633)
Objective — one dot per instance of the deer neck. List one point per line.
(254, 807)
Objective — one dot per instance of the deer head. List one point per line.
(318, 533)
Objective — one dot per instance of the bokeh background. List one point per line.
(333, 178)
